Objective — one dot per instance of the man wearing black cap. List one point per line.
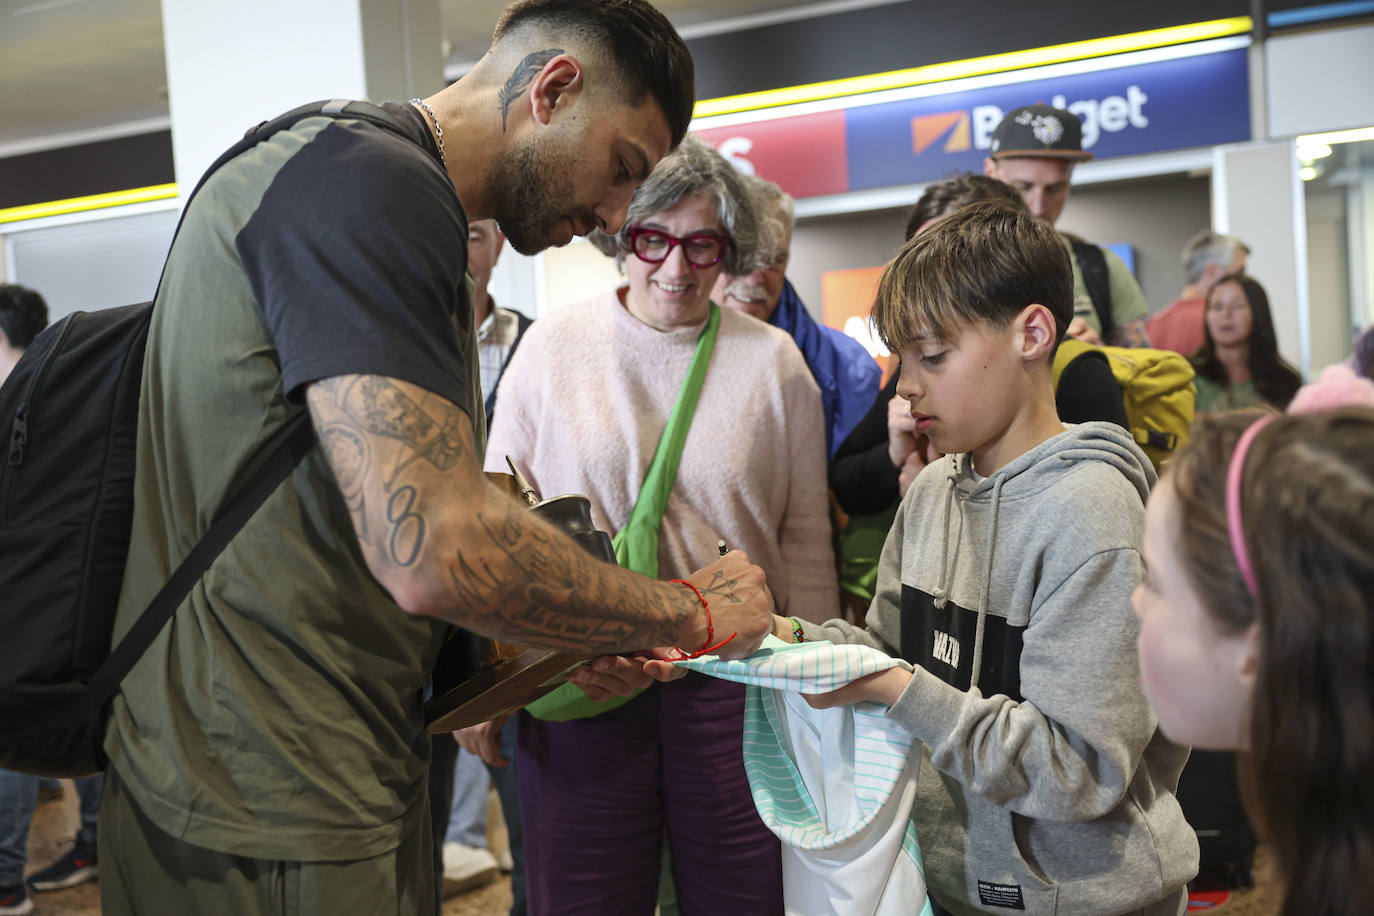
(1034, 149)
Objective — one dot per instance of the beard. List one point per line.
(533, 195)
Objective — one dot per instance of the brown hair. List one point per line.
(944, 197)
(1308, 509)
(648, 54)
(984, 262)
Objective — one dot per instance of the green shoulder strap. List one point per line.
(636, 544)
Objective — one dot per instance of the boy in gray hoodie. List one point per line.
(1006, 581)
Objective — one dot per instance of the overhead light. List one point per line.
(1336, 136)
(1307, 173)
(1311, 152)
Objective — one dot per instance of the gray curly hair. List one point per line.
(692, 167)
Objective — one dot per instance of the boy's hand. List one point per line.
(483, 740)
(901, 431)
(921, 457)
(884, 687)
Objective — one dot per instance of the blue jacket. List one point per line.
(847, 376)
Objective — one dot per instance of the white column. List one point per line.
(1258, 197)
(231, 65)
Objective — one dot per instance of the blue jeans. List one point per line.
(467, 818)
(18, 798)
(467, 822)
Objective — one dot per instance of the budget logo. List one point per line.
(926, 130)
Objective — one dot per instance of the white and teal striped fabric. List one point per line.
(835, 785)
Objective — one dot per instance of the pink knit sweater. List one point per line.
(585, 400)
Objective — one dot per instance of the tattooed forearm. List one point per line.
(520, 79)
(536, 597)
(349, 456)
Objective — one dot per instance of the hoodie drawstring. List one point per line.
(987, 585)
(938, 593)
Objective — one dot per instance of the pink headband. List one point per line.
(1233, 523)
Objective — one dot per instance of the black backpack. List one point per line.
(1097, 278)
(69, 413)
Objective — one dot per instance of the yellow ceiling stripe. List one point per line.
(90, 202)
(977, 66)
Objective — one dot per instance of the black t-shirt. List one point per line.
(356, 254)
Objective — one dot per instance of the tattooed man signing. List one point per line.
(268, 753)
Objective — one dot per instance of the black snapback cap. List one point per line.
(1039, 131)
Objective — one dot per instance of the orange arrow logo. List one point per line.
(927, 129)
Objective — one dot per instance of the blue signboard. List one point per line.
(1166, 105)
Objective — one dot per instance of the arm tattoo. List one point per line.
(349, 456)
(520, 78)
(386, 410)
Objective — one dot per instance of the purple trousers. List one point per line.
(598, 796)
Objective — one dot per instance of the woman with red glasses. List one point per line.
(584, 406)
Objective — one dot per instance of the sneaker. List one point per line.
(505, 861)
(73, 868)
(467, 868)
(14, 901)
(49, 789)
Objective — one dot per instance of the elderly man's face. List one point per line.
(578, 173)
(756, 293)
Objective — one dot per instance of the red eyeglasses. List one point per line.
(702, 249)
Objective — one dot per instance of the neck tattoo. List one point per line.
(438, 131)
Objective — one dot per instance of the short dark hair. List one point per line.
(639, 41)
(984, 262)
(944, 197)
(23, 313)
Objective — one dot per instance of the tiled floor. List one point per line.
(54, 828)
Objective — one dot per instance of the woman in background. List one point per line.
(1239, 363)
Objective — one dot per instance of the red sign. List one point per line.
(804, 155)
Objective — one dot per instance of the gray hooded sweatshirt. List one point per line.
(1047, 785)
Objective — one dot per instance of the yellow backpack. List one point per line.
(1156, 386)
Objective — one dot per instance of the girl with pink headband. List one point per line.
(1257, 625)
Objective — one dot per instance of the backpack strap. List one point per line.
(292, 445)
(1070, 349)
(1093, 263)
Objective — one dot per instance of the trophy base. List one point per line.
(499, 689)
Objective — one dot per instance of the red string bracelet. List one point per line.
(706, 647)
